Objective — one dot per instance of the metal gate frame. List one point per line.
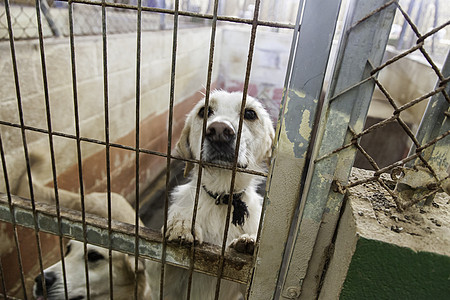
(306, 188)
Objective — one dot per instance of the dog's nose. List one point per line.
(50, 278)
(220, 132)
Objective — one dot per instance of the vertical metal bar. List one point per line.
(13, 217)
(5, 173)
(24, 142)
(2, 275)
(78, 139)
(50, 140)
(169, 142)
(138, 113)
(292, 146)
(434, 119)
(238, 142)
(366, 34)
(205, 115)
(434, 123)
(107, 145)
(256, 258)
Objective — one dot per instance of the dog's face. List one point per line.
(222, 128)
(98, 266)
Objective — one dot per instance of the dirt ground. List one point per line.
(422, 228)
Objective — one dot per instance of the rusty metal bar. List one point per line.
(78, 141)
(24, 139)
(5, 172)
(49, 127)
(238, 141)
(2, 275)
(169, 145)
(236, 267)
(186, 14)
(200, 164)
(13, 219)
(119, 146)
(107, 144)
(137, 162)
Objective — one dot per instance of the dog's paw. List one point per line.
(179, 231)
(244, 244)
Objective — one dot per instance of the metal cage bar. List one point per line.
(13, 219)
(50, 134)
(78, 141)
(169, 145)
(203, 134)
(137, 162)
(236, 268)
(238, 139)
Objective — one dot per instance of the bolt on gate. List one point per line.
(313, 154)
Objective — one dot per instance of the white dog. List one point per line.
(98, 258)
(219, 148)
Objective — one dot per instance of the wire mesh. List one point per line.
(399, 110)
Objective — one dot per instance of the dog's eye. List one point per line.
(202, 111)
(94, 256)
(250, 114)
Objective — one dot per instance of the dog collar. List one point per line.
(240, 208)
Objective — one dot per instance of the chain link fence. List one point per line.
(424, 171)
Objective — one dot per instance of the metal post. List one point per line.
(419, 181)
(363, 44)
(293, 139)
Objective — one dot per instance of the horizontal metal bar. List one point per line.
(120, 146)
(186, 14)
(237, 266)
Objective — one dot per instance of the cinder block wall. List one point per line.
(191, 72)
(156, 61)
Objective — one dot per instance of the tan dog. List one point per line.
(218, 148)
(98, 262)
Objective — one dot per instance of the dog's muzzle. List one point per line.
(49, 279)
(220, 142)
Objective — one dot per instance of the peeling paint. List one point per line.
(300, 94)
(284, 144)
(305, 126)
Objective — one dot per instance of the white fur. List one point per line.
(254, 150)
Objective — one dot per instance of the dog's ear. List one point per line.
(183, 148)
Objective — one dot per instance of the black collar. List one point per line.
(240, 208)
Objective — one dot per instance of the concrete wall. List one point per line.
(191, 71)
(156, 55)
(270, 58)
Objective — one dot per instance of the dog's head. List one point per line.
(98, 266)
(222, 128)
